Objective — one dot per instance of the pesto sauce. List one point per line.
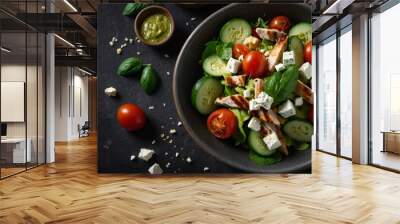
(156, 28)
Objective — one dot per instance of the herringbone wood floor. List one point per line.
(71, 191)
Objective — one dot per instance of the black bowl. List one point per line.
(188, 71)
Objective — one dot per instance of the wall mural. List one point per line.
(190, 88)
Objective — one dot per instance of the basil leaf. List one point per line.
(280, 86)
(224, 51)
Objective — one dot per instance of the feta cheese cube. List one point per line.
(233, 65)
(155, 169)
(306, 70)
(254, 105)
(145, 154)
(280, 67)
(287, 109)
(251, 42)
(110, 91)
(288, 58)
(119, 51)
(264, 100)
(272, 141)
(247, 93)
(298, 101)
(133, 157)
(254, 124)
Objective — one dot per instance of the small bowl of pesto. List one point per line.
(154, 25)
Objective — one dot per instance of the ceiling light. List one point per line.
(65, 41)
(5, 50)
(70, 5)
(84, 71)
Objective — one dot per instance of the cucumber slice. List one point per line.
(215, 66)
(296, 46)
(204, 93)
(256, 143)
(234, 31)
(303, 146)
(299, 130)
(303, 31)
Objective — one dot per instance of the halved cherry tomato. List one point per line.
(308, 52)
(131, 117)
(281, 23)
(239, 49)
(222, 123)
(255, 64)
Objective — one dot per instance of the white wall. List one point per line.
(71, 102)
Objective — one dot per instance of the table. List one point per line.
(19, 155)
(391, 141)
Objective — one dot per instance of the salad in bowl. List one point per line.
(256, 87)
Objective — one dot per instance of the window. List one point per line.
(327, 95)
(385, 89)
(345, 43)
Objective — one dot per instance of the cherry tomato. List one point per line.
(222, 123)
(254, 64)
(131, 117)
(310, 114)
(308, 52)
(239, 49)
(281, 23)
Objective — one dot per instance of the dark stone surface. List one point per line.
(115, 145)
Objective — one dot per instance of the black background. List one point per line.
(115, 145)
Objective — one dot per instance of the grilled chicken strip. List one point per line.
(234, 101)
(235, 80)
(276, 53)
(267, 128)
(268, 116)
(269, 34)
(304, 91)
(258, 86)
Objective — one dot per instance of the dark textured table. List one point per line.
(115, 145)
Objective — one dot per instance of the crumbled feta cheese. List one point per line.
(288, 58)
(145, 154)
(233, 65)
(110, 91)
(172, 131)
(155, 169)
(264, 100)
(254, 105)
(206, 168)
(123, 45)
(168, 165)
(306, 70)
(111, 43)
(119, 50)
(133, 157)
(298, 101)
(188, 159)
(179, 123)
(247, 93)
(272, 141)
(254, 124)
(251, 42)
(287, 109)
(176, 154)
(279, 67)
(151, 107)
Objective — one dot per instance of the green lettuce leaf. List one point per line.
(242, 116)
